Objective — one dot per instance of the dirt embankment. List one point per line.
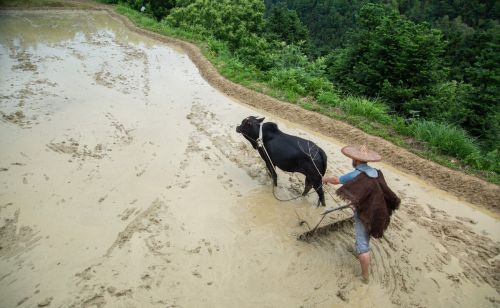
(466, 187)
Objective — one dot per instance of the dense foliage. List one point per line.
(425, 69)
(391, 57)
(462, 64)
(284, 25)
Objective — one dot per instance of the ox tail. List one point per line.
(321, 161)
(322, 165)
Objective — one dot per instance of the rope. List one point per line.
(312, 160)
(260, 144)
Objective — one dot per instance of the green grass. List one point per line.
(367, 108)
(445, 138)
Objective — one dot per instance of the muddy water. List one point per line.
(124, 184)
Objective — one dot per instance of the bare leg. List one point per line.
(364, 261)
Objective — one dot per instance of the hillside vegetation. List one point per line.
(422, 74)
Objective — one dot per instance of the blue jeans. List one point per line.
(362, 238)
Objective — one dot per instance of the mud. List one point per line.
(124, 183)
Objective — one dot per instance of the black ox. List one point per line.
(287, 152)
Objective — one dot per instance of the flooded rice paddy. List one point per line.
(124, 184)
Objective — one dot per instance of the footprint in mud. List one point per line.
(101, 200)
(196, 274)
(147, 281)
(140, 172)
(195, 250)
(15, 239)
(183, 184)
(121, 134)
(143, 221)
(18, 118)
(126, 213)
(73, 148)
(22, 301)
(46, 302)
(208, 246)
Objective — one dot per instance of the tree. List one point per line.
(239, 23)
(389, 57)
(484, 75)
(227, 20)
(284, 25)
(328, 21)
(161, 8)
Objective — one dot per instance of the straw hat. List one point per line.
(361, 153)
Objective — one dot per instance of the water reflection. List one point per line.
(28, 29)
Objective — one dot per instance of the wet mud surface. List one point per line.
(124, 184)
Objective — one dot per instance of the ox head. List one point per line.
(249, 128)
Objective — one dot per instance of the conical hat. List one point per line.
(361, 153)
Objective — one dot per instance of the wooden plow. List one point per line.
(325, 229)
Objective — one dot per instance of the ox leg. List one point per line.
(270, 168)
(272, 173)
(308, 186)
(321, 194)
(318, 187)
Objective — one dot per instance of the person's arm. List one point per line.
(331, 179)
(342, 179)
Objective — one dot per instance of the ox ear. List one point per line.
(261, 120)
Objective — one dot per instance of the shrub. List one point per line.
(290, 80)
(256, 50)
(284, 25)
(491, 161)
(447, 139)
(217, 47)
(227, 20)
(366, 108)
(449, 102)
(329, 98)
(389, 56)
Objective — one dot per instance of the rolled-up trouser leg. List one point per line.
(362, 238)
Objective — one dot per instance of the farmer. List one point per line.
(372, 200)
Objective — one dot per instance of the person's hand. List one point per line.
(331, 179)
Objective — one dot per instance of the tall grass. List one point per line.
(446, 139)
(367, 108)
(358, 106)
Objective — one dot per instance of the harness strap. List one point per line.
(260, 139)
(260, 144)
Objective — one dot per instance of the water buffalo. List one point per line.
(287, 152)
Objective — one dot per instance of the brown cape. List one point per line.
(373, 199)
